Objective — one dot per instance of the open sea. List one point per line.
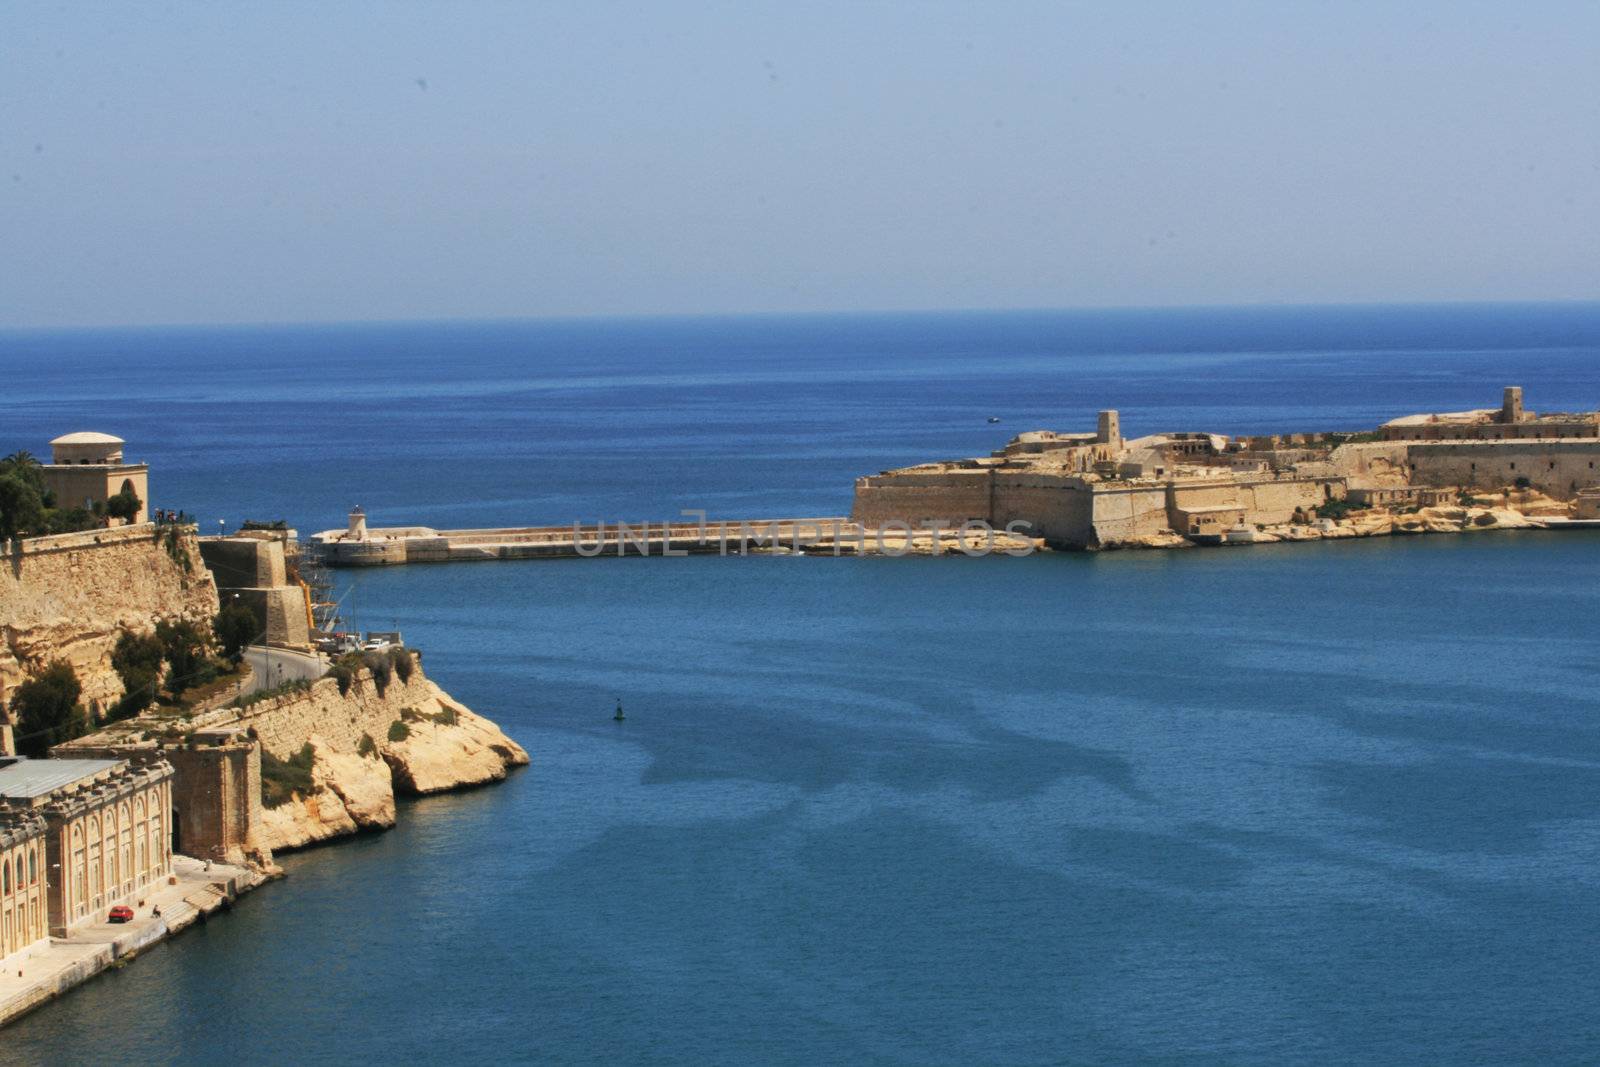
(1292, 804)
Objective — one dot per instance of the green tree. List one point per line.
(235, 627)
(25, 466)
(47, 710)
(137, 660)
(183, 644)
(68, 520)
(21, 508)
(125, 505)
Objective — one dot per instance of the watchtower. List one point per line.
(1511, 405)
(1108, 430)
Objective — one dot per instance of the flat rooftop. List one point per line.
(29, 779)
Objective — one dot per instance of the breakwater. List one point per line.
(358, 546)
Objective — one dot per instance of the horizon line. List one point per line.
(649, 316)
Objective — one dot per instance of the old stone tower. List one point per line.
(1511, 406)
(1108, 430)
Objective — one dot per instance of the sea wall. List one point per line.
(951, 497)
(72, 595)
(1055, 507)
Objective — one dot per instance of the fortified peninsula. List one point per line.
(1493, 468)
(170, 718)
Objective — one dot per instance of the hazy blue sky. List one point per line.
(273, 161)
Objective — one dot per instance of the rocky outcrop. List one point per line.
(350, 793)
(71, 596)
(380, 735)
(445, 746)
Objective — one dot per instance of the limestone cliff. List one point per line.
(381, 735)
(70, 597)
(350, 793)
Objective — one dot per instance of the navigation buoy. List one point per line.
(618, 717)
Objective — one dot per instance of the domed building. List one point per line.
(87, 468)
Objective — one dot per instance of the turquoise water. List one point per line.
(1297, 803)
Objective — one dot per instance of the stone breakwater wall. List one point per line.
(71, 596)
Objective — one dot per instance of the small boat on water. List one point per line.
(994, 418)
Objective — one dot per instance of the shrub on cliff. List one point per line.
(398, 731)
(281, 779)
(367, 747)
(137, 661)
(183, 644)
(382, 668)
(342, 673)
(47, 710)
(404, 665)
(235, 627)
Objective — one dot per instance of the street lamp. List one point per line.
(220, 524)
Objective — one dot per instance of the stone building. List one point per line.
(87, 468)
(1509, 422)
(106, 831)
(23, 919)
(250, 568)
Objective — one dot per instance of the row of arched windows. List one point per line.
(117, 850)
(22, 918)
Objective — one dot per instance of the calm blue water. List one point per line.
(1333, 803)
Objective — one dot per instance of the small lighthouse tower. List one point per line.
(358, 524)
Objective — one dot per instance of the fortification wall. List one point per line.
(1276, 502)
(284, 723)
(70, 596)
(917, 499)
(216, 801)
(1059, 508)
(244, 562)
(1127, 514)
(1556, 468)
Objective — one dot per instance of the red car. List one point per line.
(121, 914)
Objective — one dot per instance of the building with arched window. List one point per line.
(23, 920)
(87, 468)
(104, 834)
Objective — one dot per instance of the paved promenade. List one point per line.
(33, 977)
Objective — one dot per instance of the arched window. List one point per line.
(7, 867)
(33, 866)
(20, 882)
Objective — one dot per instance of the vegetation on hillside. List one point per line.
(281, 779)
(137, 659)
(48, 711)
(235, 627)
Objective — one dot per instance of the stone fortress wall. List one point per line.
(253, 571)
(1097, 490)
(71, 595)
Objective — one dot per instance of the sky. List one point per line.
(248, 162)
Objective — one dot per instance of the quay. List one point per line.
(46, 970)
(359, 546)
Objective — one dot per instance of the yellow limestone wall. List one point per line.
(70, 596)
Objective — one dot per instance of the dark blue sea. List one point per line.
(1293, 804)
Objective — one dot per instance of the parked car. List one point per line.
(121, 914)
